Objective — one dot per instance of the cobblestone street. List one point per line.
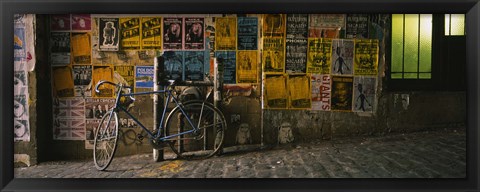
(434, 154)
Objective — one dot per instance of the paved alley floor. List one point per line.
(435, 154)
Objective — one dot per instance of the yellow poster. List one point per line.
(81, 48)
(151, 32)
(103, 73)
(225, 33)
(130, 33)
(319, 53)
(63, 82)
(274, 25)
(366, 57)
(275, 92)
(273, 55)
(247, 66)
(299, 91)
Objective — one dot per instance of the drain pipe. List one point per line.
(157, 103)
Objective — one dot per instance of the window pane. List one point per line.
(397, 75)
(425, 75)
(425, 43)
(411, 76)
(397, 43)
(447, 24)
(458, 24)
(411, 43)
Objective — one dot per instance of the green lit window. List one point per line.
(454, 24)
(411, 46)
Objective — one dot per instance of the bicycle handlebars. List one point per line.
(102, 82)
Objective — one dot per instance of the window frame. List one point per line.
(439, 65)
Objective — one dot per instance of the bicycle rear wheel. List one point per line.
(105, 142)
(205, 142)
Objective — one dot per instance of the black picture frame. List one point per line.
(8, 8)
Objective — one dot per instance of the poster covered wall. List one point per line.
(299, 92)
(342, 93)
(21, 127)
(60, 22)
(194, 65)
(225, 33)
(342, 57)
(319, 55)
(63, 85)
(296, 43)
(130, 33)
(60, 48)
(326, 25)
(127, 73)
(194, 33)
(276, 96)
(82, 80)
(69, 119)
(297, 52)
(81, 22)
(102, 73)
(273, 56)
(151, 32)
(230, 64)
(173, 64)
(109, 32)
(247, 33)
(364, 94)
(247, 66)
(23, 62)
(81, 48)
(366, 57)
(173, 31)
(144, 77)
(357, 26)
(321, 92)
(273, 25)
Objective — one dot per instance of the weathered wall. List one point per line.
(26, 151)
(396, 113)
(245, 113)
(248, 123)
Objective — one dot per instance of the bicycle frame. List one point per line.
(151, 134)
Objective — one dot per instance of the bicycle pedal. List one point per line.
(140, 137)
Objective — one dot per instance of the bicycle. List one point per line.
(193, 129)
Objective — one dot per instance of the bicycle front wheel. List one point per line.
(206, 141)
(105, 142)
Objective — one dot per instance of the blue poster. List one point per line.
(19, 43)
(194, 65)
(247, 33)
(173, 65)
(144, 76)
(229, 72)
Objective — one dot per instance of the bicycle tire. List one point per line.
(210, 136)
(106, 138)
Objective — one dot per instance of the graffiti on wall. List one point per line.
(285, 133)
